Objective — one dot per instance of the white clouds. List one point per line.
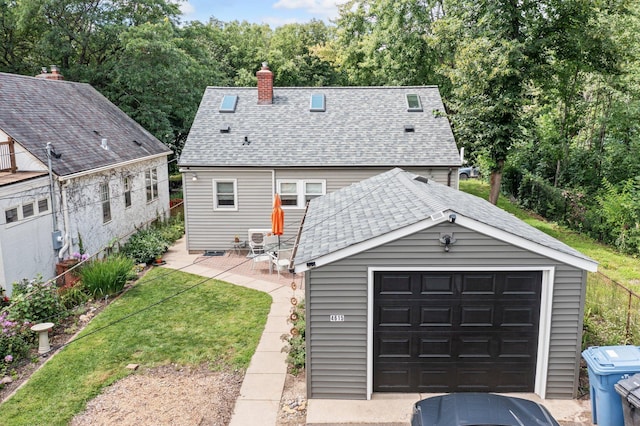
(325, 8)
(186, 8)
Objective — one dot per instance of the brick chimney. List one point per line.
(265, 85)
(54, 75)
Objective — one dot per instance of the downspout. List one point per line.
(52, 191)
(65, 215)
(449, 176)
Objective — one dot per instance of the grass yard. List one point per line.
(215, 323)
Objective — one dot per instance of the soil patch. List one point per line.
(169, 395)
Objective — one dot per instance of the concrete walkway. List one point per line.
(261, 391)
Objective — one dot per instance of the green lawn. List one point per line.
(215, 323)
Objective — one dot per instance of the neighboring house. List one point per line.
(412, 286)
(246, 144)
(108, 174)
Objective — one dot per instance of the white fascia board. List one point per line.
(111, 167)
(578, 262)
(498, 234)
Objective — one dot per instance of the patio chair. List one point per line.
(281, 259)
(257, 254)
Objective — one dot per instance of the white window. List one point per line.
(105, 198)
(296, 193)
(225, 194)
(11, 215)
(127, 191)
(27, 210)
(43, 205)
(151, 183)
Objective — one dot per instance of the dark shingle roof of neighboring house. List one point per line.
(361, 126)
(396, 200)
(75, 118)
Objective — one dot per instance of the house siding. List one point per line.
(85, 208)
(337, 351)
(214, 230)
(22, 256)
(209, 229)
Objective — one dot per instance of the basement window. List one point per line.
(317, 102)
(413, 103)
(229, 103)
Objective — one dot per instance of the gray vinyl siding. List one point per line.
(337, 357)
(207, 229)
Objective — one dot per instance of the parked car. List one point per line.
(468, 172)
(465, 409)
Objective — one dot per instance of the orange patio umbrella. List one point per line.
(277, 217)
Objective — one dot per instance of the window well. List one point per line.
(413, 102)
(317, 102)
(229, 103)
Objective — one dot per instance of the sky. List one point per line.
(272, 12)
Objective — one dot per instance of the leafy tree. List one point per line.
(158, 79)
(384, 42)
(293, 59)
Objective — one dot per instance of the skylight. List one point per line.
(229, 103)
(317, 102)
(413, 102)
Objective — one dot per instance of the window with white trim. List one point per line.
(296, 193)
(11, 215)
(105, 199)
(43, 205)
(27, 210)
(151, 184)
(127, 191)
(225, 194)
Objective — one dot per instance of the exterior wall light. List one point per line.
(448, 240)
(194, 177)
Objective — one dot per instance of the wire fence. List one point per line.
(612, 313)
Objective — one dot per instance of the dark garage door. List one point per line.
(463, 331)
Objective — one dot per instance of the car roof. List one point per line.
(466, 409)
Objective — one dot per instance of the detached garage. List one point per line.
(412, 286)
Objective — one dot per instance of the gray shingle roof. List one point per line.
(35, 111)
(362, 126)
(393, 200)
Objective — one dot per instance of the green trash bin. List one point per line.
(606, 366)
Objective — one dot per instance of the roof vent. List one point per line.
(104, 144)
(246, 141)
(409, 128)
(137, 142)
(225, 128)
(421, 179)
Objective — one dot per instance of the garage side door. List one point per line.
(456, 331)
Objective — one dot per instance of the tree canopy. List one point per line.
(542, 94)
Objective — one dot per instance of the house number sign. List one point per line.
(336, 318)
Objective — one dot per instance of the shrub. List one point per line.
(74, 296)
(35, 301)
(172, 230)
(145, 245)
(296, 340)
(15, 340)
(107, 277)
